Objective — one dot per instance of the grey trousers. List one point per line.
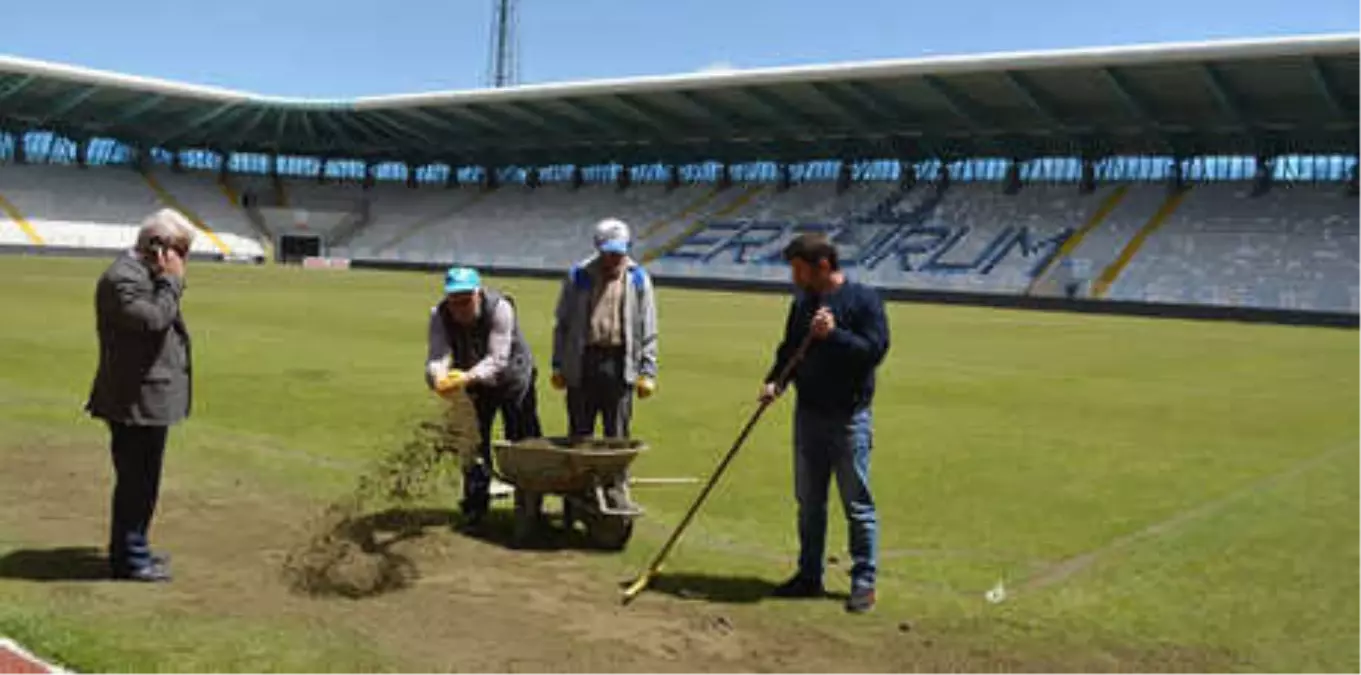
(602, 394)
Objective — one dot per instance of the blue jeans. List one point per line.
(827, 445)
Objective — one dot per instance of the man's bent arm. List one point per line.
(784, 351)
(560, 323)
(867, 340)
(647, 352)
(154, 313)
(437, 350)
(498, 345)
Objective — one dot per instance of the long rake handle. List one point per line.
(656, 563)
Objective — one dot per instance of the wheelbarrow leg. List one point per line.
(569, 513)
(528, 514)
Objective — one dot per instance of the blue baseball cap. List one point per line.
(612, 236)
(461, 280)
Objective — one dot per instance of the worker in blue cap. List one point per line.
(475, 345)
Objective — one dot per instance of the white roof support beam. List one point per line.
(953, 100)
(1327, 90)
(201, 122)
(1223, 94)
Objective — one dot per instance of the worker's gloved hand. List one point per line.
(646, 387)
(452, 382)
(558, 381)
(769, 392)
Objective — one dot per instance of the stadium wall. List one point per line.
(75, 252)
(1085, 306)
(1008, 301)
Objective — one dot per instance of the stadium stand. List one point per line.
(98, 209)
(1206, 174)
(1292, 248)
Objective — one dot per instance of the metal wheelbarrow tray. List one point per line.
(581, 470)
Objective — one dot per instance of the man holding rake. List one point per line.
(848, 332)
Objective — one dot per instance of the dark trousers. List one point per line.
(601, 394)
(519, 420)
(137, 456)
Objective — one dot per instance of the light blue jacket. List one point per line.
(573, 320)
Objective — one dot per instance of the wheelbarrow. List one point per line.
(588, 473)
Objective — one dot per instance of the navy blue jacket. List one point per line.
(837, 374)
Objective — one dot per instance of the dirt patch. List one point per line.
(345, 554)
(463, 604)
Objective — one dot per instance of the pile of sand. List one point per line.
(344, 553)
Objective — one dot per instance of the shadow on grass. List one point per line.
(721, 589)
(498, 527)
(55, 564)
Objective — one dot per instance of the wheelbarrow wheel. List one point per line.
(611, 533)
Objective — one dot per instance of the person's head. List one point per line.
(462, 292)
(813, 263)
(612, 241)
(165, 230)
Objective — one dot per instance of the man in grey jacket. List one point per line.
(143, 385)
(605, 336)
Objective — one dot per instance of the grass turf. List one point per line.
(1149, 486)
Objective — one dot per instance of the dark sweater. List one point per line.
(837, 374)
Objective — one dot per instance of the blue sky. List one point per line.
(342, 48)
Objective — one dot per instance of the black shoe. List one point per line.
(800, 587)
(472, 517)
(861, 600)
(153, 573)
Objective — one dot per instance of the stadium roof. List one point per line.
(1280, 95)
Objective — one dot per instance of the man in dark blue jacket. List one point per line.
(833, 431)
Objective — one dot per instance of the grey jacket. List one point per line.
(573, 318)
(145, 368)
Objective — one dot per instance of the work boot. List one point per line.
(473, 512)
(800, 586)
(152, 573)
(861, 600)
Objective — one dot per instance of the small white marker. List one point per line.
(997, 593)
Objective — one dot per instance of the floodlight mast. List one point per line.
(503, 65)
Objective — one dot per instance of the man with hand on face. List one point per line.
(143, 384)
(833, 431)
(475, 344)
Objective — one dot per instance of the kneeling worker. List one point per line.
(475, 344)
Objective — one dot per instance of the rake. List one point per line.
(656, 565)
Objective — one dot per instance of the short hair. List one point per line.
(812, 248)
(168, 226)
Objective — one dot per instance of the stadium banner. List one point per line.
(317, 263)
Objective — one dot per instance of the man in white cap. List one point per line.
(605, 337)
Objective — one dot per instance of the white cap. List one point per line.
(612, 236)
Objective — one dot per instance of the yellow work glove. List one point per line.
(646, 386)
(558, 381)
(454, 381)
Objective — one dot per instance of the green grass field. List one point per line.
(1155, 494)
